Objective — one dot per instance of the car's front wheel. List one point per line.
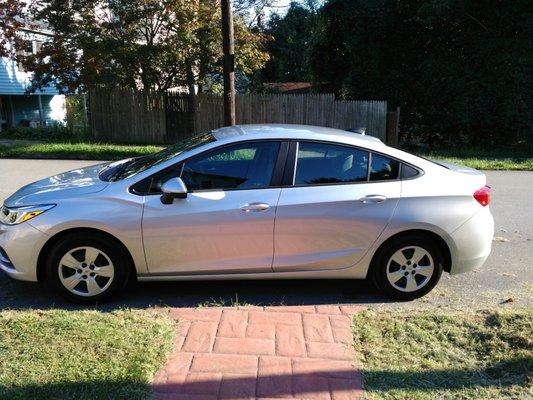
(407, 267)
(87, 268)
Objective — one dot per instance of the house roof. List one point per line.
(287, 87)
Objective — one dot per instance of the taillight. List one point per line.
(483, 196)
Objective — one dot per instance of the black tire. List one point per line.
(111, 248)
(381, 263)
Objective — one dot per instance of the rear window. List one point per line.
(434, 162)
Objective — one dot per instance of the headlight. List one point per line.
(14, 216)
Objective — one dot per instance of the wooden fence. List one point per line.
(126, 116)
(138, 117)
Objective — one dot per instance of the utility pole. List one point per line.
(229, 63)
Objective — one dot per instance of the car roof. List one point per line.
(319, 133)
(290, 131)
(240, 133)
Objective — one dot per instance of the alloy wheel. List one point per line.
(410, 268)
(86, 271)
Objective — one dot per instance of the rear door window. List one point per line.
(323, 163)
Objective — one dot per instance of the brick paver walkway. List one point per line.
(290, 352)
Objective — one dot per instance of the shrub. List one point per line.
(54, 133)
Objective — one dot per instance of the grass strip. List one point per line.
(445, 355)
(60, 354)
(76, 151)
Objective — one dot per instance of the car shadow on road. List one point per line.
(23, 295)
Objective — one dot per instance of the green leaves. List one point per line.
(289, 48)
(458, 69)
(140, 44)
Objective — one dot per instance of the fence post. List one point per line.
(393, 125)
(85, 111)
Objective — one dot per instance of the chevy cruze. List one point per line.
(251, 202)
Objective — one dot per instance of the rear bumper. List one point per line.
(21, 245)
(473, 241)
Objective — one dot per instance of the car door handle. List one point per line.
(255, 207)
(372, 198)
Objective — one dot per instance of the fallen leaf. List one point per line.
(500, 239)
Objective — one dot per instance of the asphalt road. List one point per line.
(506, 279)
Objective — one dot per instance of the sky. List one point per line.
(281, 7)
(283, 3)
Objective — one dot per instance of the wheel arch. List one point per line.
(441, 243)
(41, 260)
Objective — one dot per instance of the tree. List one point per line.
(291, 39)
(459, 69)
(252, 11)
(141, 44)
(11, 20)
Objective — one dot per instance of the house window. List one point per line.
(26, 48)
(37, 45)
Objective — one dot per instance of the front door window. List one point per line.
(241, 166)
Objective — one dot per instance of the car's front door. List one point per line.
(335, 208)
(226, 223)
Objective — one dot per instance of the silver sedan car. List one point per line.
(251, 202)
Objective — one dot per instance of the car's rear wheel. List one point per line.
(407, 267)
(87, 268)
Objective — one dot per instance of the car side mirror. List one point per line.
(172, 189)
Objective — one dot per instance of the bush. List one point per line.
(75, 117)
(54, 133)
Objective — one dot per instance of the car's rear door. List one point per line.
(225, 225)
(337, 202)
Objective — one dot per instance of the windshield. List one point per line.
(132, 166)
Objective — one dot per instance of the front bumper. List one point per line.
(21, 244)
(473, 241)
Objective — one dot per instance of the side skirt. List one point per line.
(348, 273)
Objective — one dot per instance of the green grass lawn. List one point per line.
(475, 158)
(76, 151)
(502, 164)
(81, 354)
(495, 159)
(439, 355)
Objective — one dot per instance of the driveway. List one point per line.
(505, 280)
